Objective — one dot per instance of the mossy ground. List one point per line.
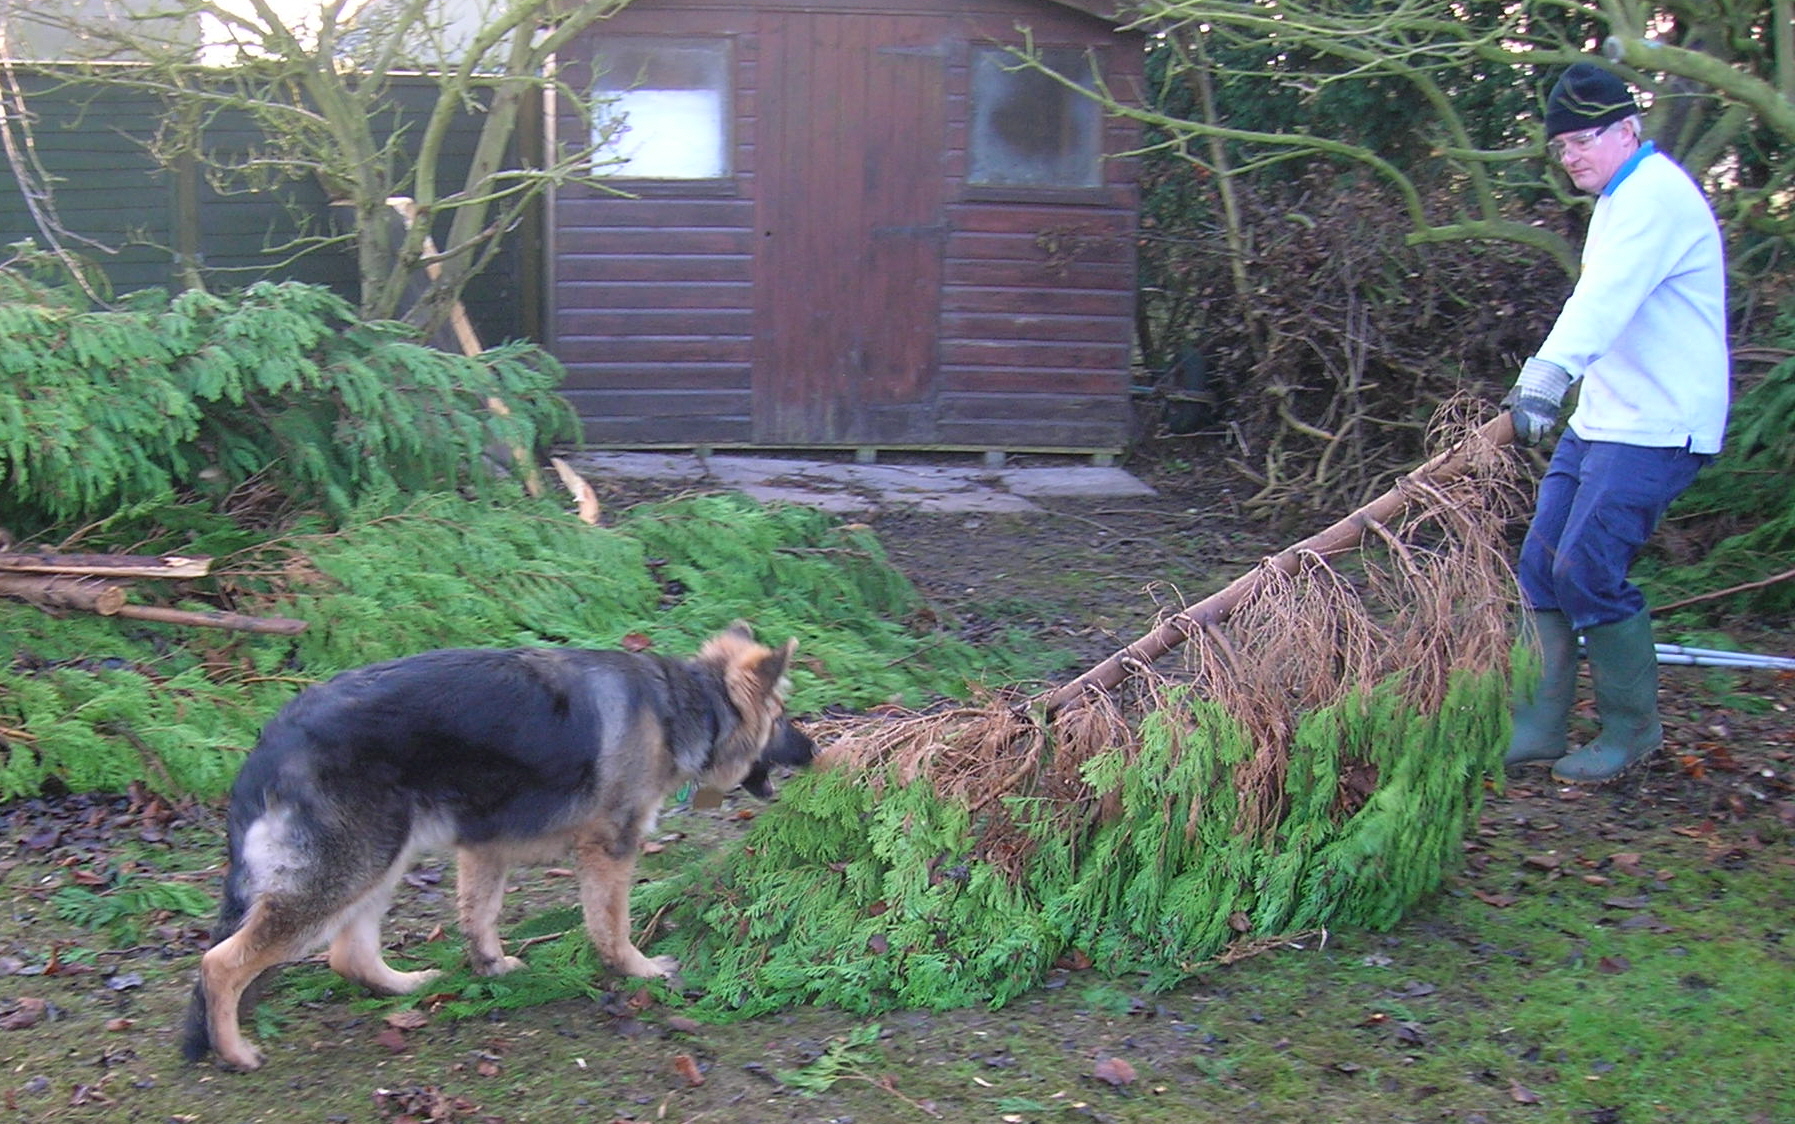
(1620, 955)
(1623, 957)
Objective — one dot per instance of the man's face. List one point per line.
(1592, 156)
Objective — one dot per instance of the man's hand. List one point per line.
(1534, 417)
(1534, 399)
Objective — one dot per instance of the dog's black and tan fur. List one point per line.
(508, 756)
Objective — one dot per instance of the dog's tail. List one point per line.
(196, 1039)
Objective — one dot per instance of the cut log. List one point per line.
(284, 626)
(108, 565)
(1338, 538)
(583, 495)
(107, 598)
(59, 591)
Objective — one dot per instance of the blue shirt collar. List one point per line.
(1626, 169)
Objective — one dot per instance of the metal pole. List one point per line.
(1709, 657)
(1678, 655)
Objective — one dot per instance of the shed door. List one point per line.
(849, 231)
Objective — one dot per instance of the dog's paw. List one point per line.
(413, 981)
(389, 982)
(243, 1060)
(498, 966)
(649, 968)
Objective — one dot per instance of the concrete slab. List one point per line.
(637, 466)
(984, 502)
(734, 471)
(1083, 481)
(907, 478)
(836, 503)
(852, 488)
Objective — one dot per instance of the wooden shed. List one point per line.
(851, 225)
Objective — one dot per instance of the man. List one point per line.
(1644, 336)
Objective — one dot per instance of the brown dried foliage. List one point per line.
(1423, 598)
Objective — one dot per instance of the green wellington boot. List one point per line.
(1624, 665)
(1540, 718)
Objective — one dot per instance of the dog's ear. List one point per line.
(740, 628)
(770, 669)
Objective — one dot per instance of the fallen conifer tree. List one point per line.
(1315, 760)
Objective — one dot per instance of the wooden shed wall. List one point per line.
(680, 314)
(105, 187)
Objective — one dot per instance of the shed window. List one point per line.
(1029, 129)
(664, 104)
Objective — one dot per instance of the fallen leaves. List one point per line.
(26, 1012)
(687, 1067)
(1409, 1033)
(1113, 1071)
(1644, 921)
(397, 1025)
(1521, 1094)
(85, 1094)
(85, 825)
(422, 1104)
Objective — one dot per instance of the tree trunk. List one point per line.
(108, 565)
(56, 591)
(1340, 537)
(283, 626)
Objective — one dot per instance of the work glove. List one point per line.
(1534, 399)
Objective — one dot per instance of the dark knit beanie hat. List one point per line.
(1587, 97)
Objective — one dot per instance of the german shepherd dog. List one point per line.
(509, 756)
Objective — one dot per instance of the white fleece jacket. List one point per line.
(1644, 332)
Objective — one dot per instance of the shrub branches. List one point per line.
(281, 384)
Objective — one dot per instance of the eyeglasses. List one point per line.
(1575, 142)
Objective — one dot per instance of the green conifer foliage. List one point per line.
(279, 383)
(92, 704)
(1735, 525)
(871, 893)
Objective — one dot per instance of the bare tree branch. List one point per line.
(317, 83)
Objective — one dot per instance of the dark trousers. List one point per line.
(1598, 504)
